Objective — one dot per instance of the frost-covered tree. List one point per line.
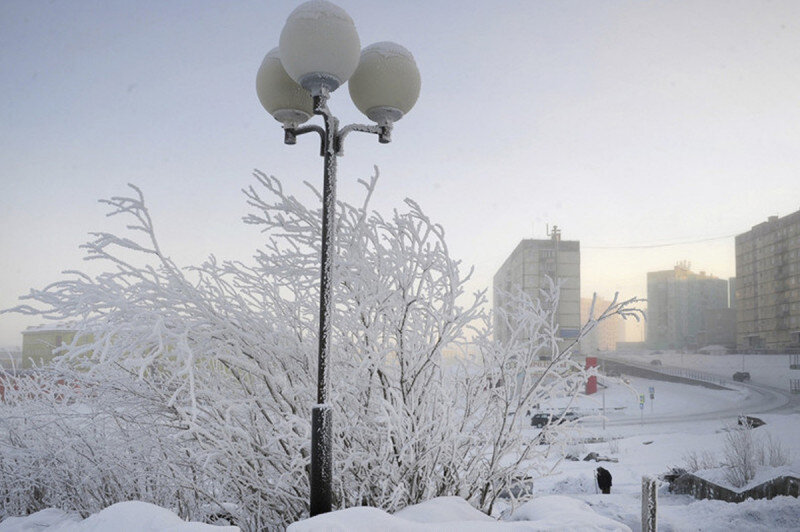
(192, 387)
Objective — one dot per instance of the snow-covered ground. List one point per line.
(652, 452)
(682, 419)
(131, 516)
(649, 441)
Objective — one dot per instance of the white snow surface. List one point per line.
(555, 512)
(558, 512)
(130, 516)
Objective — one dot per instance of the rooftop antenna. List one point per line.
(555, 234)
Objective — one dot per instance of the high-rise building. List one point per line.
(768, 285)
(528, 267)
(607, 333)
(676, 303)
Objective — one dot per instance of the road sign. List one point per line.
(641, 401)
(652, 392)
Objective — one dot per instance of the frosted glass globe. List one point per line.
(386, 84)
(280, 95)
(319, 45)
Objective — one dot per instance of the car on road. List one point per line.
(741, 376)
(541, 419)
(655, 362)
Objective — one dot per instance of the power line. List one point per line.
(649, 246)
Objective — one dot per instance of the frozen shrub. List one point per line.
(740, 456)
(773, 453)
(745, 451)
(198, 382)
(695, 461)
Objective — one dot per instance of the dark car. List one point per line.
(655, 362)
(741, 376)
(541, 419)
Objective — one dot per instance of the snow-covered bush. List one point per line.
(192, 387)
(740, 456)
(744, 452)
(705, 459)
(73, 442)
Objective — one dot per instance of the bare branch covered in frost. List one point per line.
(192, 387)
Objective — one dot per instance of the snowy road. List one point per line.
(760, 400)
(679, 404)
(753, 399)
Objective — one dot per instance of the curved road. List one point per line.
(761, 400)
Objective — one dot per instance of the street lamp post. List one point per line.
(319, 51)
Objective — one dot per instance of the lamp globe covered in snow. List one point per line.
(319, 51)
(386, 84)
(280, 95)
(320, 46)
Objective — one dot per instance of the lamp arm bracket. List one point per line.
(290, 134)
(384, 133)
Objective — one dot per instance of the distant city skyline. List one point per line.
(625, 123)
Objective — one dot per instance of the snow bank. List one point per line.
(442, 510)
(780, 513)
(131, 516)
(453, 514)
(557, 512)
(49, 520)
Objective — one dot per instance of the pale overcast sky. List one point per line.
(626, 123)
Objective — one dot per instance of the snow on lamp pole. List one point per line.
(319, 50)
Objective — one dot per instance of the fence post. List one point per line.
(649, 503)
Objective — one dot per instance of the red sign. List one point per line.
(591, 384)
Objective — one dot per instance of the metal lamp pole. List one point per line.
(319, 51)
(331, 141)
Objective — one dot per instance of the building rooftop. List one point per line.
(51, 327)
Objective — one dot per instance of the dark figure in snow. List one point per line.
(603, 479)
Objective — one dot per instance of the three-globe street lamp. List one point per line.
(319, 50)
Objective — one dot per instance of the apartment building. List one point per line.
(528, 267)
(768, 285)
(677, 301)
